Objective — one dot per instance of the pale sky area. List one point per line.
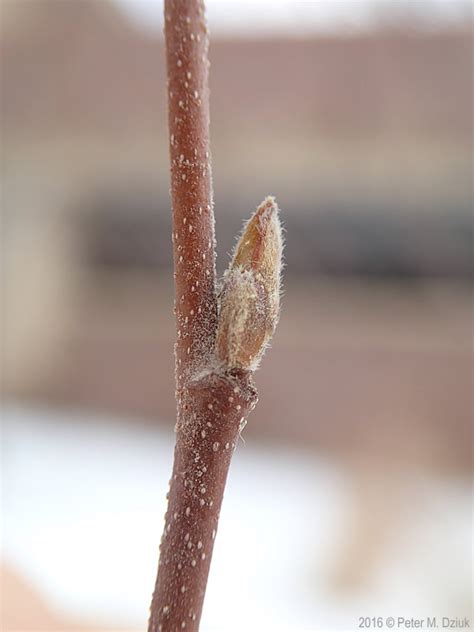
(268, 17)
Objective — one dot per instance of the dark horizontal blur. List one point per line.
(363, 138)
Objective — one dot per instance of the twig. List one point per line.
(215, 356)
(187, 44)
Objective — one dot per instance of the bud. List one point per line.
(250, 295)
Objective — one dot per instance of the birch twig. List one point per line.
(220, 340)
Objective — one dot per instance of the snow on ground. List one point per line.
(83, 507)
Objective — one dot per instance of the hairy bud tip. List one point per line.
(250, 295)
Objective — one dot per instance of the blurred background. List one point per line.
(350, 495)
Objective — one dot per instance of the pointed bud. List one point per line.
(250, 296)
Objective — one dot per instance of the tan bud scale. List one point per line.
(250, 295)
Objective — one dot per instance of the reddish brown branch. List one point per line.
(201, 461)
(215, 392)
(187, 43)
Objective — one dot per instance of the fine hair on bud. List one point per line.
(250, 296)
